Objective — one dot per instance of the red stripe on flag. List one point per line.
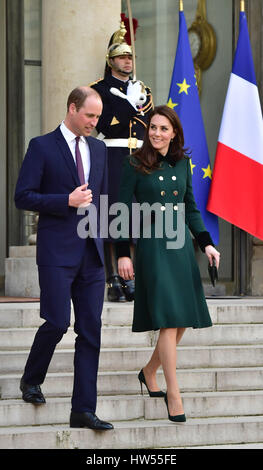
(236, 192)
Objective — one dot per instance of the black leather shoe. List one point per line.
(88, 420)
(115, 291)
(128, 288)
(32, 393)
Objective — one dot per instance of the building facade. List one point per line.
(47, 47)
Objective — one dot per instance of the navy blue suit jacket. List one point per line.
(47, 176)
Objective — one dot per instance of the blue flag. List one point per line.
(184, 99)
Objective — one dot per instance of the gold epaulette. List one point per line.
(147, 87)
(96, 81)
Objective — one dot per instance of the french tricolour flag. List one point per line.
(236, 192)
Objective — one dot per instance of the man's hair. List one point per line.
(79, 95)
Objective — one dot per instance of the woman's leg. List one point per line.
(180, 332)
(168, 356)
(150, 370)
(154, 363)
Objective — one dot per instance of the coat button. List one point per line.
(173, 178)
(175, 208)
(161, 178)
(162, 193)
(175, 193)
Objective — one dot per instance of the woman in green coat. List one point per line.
(168, 290)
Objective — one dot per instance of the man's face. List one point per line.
(83, 121)
(122, 64)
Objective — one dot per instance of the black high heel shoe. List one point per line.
(175, 418)
(143, 381)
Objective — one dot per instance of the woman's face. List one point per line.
(160, 133)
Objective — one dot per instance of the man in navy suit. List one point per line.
(62, 171)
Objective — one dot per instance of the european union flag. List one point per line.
(184, 99)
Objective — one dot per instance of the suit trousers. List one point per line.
(85, 285)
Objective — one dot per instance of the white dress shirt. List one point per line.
(83, 147)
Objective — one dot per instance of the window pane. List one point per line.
(32, 24)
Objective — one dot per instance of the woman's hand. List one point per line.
(211, 253)
(125, 268)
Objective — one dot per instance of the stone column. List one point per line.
(75, 36)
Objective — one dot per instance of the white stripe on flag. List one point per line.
(242, 126)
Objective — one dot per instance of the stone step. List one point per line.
(112, 336)
(241, 310)
(251, 445)
(130, 407)
(126, 382)
(119, 337)
(137, 434)
(134, 358)
(26, 315)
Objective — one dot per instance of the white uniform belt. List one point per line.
(132, 142)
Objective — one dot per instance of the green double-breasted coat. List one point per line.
(168, 286)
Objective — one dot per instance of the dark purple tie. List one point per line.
(79, 163)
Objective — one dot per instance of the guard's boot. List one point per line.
(128, 288)
(115, 291)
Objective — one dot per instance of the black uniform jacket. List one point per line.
(119, 118)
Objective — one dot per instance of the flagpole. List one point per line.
(132, 38)
(242, 239)
(181, 5)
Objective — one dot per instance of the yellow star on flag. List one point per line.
(171, 105)
(183, 87)
(192, 166)
(207, 172)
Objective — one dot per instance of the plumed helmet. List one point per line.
(116, 50)
(118, 45)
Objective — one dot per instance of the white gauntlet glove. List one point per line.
(136, 94)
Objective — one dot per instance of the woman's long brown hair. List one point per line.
(146, 158)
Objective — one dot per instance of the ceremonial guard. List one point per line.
(126, 106)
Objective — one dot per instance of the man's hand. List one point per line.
(80, 197)
(136, 94)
